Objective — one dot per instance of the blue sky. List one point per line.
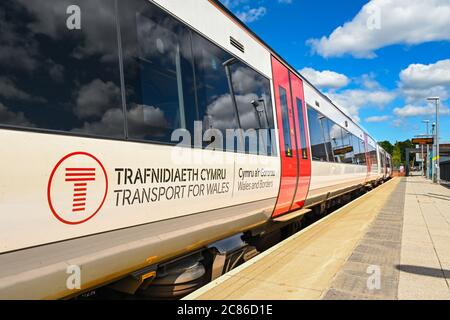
(378, 59)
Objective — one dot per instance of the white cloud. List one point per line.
(145, 120)
(353, 100)
(413, 111)
(13, 118)
(419, 81)
(425, 76)
(285, 1)
(376, 119)
(413, 95)
(99, 39)
(233, 3)
(96, 97)
(9, 90)
(252, 14)
(381, 23)
(368, 81)
(370, 93)
(326, 78)
(17, 46)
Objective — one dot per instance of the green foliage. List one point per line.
(398, 151)
(397, 155)
(386, 145)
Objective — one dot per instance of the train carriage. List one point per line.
(143, 144)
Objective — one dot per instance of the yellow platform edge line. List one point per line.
(198, 293)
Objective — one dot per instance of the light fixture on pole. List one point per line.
(437, 168)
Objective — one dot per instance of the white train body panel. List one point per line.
(24, 202)
(331, 177)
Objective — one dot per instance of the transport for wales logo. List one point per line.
(77, 188)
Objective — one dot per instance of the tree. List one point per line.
(397, 155)
(386, 145)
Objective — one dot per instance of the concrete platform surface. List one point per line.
(425, 255)
(392, 243)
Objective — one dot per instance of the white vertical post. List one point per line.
(438, 167)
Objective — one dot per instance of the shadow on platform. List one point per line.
(424, 271)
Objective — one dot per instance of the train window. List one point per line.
(302, 128)
(348, 144)
(158, 73)
(285, 120)
(361, 156)
(252, 94)
(327, 125)
(59, 66)
(337, 142)
(356, 151)
(316, 136)
(373, 157)
(216, 108)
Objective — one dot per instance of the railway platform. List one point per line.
(392, 243)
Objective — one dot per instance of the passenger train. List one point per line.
(149, 146)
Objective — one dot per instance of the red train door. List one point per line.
(303, 147)
(287, 137)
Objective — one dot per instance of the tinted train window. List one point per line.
(316, 133)
(356, 151)
(254, 105)
(286, 123)
(250, 90)
(373, 158)
(158, 73)
(59, 66)
(337, 142)
(348, 145)
(216, 108)
(361, 155)
(327, 125)
(302, 128)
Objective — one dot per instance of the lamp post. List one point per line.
(433, 152)
(438, 176)
(427, 122)
(422, 163)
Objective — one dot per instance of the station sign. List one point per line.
(343, 150)
(422, 141)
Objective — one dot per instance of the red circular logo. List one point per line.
(77, 188)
